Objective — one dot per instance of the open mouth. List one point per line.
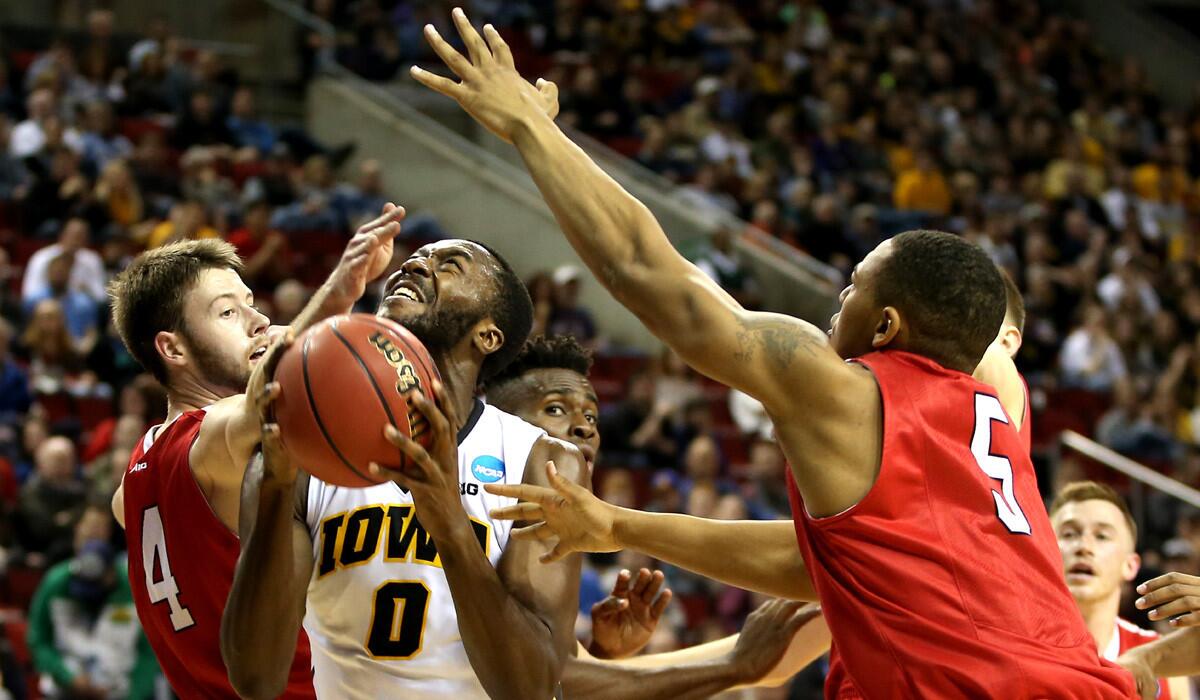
(407, 291)
(258, 354)
(1081, 571)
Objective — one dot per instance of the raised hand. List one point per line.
(366, 256)
(431, 475)
(1172, 596)
(568, 511)
(623, 623)
(490, 88)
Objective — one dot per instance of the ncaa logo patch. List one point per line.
(488, 469)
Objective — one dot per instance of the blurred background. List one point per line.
(778, 141)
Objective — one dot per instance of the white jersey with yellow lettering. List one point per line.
(380, 616)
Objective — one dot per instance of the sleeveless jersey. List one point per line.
(945, 580)
(1126, 636)
(380, 615)
(181, 562)
(1026, 430)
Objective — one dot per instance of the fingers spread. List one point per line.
(476, 49)
(520, 511)
(660, 605)
(499, 47)
(437, 83)
(449, 55)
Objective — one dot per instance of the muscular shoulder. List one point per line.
(567, 458)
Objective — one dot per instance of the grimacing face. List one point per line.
(853, 328)
(223, 333)
(1097, 549)
(564, 404)
(441, 291)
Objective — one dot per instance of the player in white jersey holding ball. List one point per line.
(388, 612)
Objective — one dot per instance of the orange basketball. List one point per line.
(341, 382)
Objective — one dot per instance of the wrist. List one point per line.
(624, 527)
(527, 129)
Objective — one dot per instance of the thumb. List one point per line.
(554, 555)
(564, 487)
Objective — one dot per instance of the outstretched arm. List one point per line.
(757, 555)
(700, 672)
(1176, 654)
(778, 359)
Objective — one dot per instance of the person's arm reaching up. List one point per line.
(785, 362)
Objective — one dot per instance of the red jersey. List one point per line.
(1126, 636)
(945, 580)
(181, 561)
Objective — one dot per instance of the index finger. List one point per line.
(524, 492)
(476, 49)
(389, 213)
(1166, 580)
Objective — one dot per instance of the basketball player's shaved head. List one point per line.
(945, 294)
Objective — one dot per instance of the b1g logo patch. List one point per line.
(488, 469)
(406, 374)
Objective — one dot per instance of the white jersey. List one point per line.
(380, 616)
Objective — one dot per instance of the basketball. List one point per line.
(341, 382)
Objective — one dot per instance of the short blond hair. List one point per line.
(1079, 491)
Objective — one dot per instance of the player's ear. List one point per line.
(487, 337)
(1131, 566)
(1010, 338)
(170, 348)
(888, 329)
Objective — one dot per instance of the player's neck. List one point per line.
(186, 394)
(460, 376)
(1100, 615)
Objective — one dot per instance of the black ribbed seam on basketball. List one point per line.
(312, 404)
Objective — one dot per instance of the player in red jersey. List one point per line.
(187, 317)
(916, 506)
(1097, 535)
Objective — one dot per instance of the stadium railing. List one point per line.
(1139, 475)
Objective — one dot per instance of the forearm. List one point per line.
(262, 617)
(615, 235)
(756, 555)
(585, 679)
(487, 611)
(1176, 654)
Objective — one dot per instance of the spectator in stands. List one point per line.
(541, 291)
(104, 473)
(568, 317)
(87, 268)
(263, 249)
(202, 182)
(83, 630)
(1090, 359)
(923, 188)
(764, 494)
(29, 137)
(1130, 427)
(188, 222)
(289, 299)
(634, 429)
(275, 183)
(315, 210)
(154, 173)
(50, 504)
(54, 355)
(15, 398)
(201, 125)
(10, 297)
(364, 198)
(147, 90)
(721, 262)
(80, 311)
(101, 140)
(14, 176)
(60, 189)
(118, 194)
(250, 133)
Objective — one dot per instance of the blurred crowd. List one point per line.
(831, 125)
